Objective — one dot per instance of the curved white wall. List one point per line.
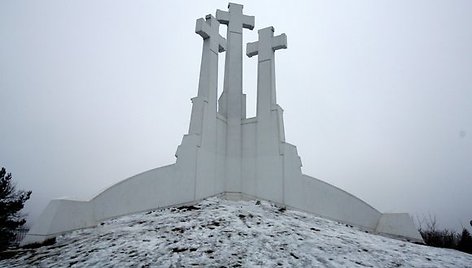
(398, 224)
(321, 198)
(60, 215)
(152, 189)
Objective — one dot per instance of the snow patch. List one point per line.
(224, 232)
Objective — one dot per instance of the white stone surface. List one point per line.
(398, 224)
(269, 156)
(233, 96)
(225, 152)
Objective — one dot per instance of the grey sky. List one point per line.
(377, 95)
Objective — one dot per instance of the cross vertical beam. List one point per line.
(269, 128)
(204, 105)
(232, 100)
(265, 49)
(236, 21)
(199, 159)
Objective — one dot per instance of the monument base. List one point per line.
(160, 188)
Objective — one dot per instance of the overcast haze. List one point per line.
(377, 95)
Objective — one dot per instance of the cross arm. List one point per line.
(208, 29)
(252, 49)
(202, 28)
(248, 22)
(221, 44)
(234, 18)
(222, 16)
(279, 42)
(220, 40)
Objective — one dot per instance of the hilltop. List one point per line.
(220, 232)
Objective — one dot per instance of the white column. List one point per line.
(213, 43)
(200, 159)
(265, 49)
(232, 96)
(269, 162)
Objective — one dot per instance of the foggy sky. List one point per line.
(377, 95)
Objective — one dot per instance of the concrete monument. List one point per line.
(226, 153)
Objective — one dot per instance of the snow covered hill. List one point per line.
(219, 232)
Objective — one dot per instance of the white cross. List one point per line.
(235, 19)
(209, 29)
(267, 44)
